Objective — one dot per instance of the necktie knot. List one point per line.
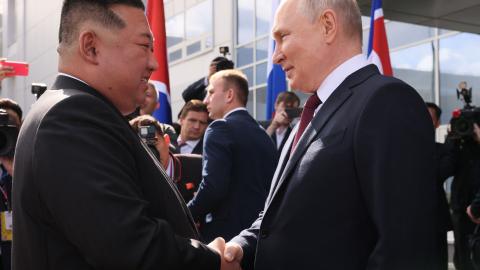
(312, 102)
(308, 111)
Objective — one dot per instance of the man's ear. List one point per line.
(230, 96)
(329, 23)
(166, 137)
(88, 42)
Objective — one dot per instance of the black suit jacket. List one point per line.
(238, 165)
(358, 191)
(89, 195)
(196, 90)
(188, 174)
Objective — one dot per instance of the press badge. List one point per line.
(7, 225)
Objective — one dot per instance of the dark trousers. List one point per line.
(441, 252)
(462, 229)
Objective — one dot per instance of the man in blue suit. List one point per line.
(238, 162)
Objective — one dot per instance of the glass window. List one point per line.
(193, 48)
(245, 15)
(261, 51)
(245, 55)
(249, 73)
(459, 61)
(399, 33)
(414, 65)
(261, 103)
(175, 55)
(261, 74)
(198, 20)
(263, 10)
(175, 30)
(250, 102)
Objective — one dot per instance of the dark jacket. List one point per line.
(238, 164)
(358, 191)
(196, 90)
(88, 194)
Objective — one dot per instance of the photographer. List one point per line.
(10, 121)
(197, 90)
(286, 109)
(464, 159)
(184, 169)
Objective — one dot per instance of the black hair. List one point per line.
(75, 12)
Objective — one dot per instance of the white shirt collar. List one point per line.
(339, 74)
(192, 143)
(73, 77)
(234, 110)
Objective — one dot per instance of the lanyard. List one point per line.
(5, 196)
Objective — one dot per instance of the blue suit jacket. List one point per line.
(238, 165)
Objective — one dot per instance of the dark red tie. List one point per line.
(308, 110)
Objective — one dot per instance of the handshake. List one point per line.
(231, 254)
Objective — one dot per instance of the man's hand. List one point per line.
(233, 252)
(474, 219)
(4, 70)
(219, 246)
(280, 119)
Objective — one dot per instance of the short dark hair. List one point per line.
(222, 63)
(287, 98)
(438, 111)
(6, 103)
(194, 105)
(74, 12)
(235, 79)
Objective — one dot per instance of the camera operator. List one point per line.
(10, 121)
(464, 158)
(197, 90)
(286, 109)
(184, 169)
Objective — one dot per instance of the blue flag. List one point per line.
(276, 82)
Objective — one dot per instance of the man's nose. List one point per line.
(152, 62)
(277, 56)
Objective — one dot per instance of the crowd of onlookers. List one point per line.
(222, 160)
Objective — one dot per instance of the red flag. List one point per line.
(156, 18)
(378, 52)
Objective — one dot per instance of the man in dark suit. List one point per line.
(193, 120)
(88, 194)
(445, 168)
(238, 161)
(355, 184)
(198, 89)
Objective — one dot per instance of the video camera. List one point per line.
(8, 135)
(462, 120)
(148, 135)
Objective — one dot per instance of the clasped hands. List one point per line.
(231, 254)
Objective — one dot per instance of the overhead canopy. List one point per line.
(459, 15)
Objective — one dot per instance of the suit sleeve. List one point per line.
(88, 181)
(217, 169)
(194, 91)
(394, 156)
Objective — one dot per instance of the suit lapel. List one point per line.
(334, 102)
(318, 122)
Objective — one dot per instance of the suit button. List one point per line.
(263, 234)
